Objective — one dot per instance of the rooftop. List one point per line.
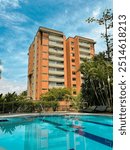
(50, 30)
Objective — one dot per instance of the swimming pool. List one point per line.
(59, 132)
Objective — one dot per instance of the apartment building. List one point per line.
(47, 62)
(78, 48)
(54, 61)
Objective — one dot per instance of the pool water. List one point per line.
(65, 132)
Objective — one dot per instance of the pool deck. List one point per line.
(51, 114)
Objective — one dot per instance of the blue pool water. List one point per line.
(68, 132)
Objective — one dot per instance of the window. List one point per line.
(73, 60)
(72, 54)
(74, 85)
(61, 84)
(73, 73)
(72, 43)
(72, 48)
(74, 92)
(74, 79)
(60, 69)
(44, 88)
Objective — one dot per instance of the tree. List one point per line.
(24, 93)
(97, 86)
(10, 97)
(107, 21)
(55, 94)
(77, 101)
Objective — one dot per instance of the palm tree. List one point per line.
(97, 81)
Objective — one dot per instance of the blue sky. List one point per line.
(19, 22)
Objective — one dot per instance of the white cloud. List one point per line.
(1, 67)
(9, 3)
(5, 4)
(76, 25)
(70, 22)
(13, 17)
(11, 86)
(96, 12)
(21, 57)
(7, 16)
(95, 33)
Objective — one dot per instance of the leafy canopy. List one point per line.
(55, 94)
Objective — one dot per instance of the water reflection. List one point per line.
(7, 129)
(11, 125)
(39, 134)
(37, 138)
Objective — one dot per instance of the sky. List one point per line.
(20, 20)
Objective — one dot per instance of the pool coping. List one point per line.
(52, 113)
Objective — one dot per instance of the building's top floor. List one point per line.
(83, 39)
(59, 33)
(47, 30)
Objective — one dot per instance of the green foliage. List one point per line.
(98, 78)
(76, 101)
(9, 97)
(54, 105)
(13, 103)
(26, 106)
(7, 102)
(55, 94)
(45, 105)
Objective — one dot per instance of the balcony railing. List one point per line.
(53, 51)
(55, 44)
(84, 44)
(84, 50)
(85, 56)
(52, 37)
(56, 79)
(56, 85)
(54, 72)
(56, 65)
(52, 57)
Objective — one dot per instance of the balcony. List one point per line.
(84, 50)
(56, 79)
(55, 72)
(56, 38)
(85, 56)
(53, 57)
(53, 51)
(56, 65)
(84, 44)
(55, 44)
(82, 56)
(56, 86)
